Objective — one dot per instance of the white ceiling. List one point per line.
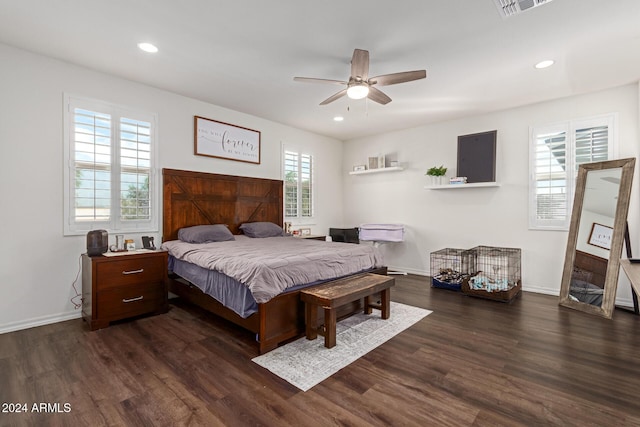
(244, 54)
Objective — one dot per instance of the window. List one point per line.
(109, 175)
(556, 152)
(298, 185)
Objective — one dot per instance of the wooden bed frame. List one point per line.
(194, 198)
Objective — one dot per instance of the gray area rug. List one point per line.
(305, 363)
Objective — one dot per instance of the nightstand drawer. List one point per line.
(129, 271)
(128, 301)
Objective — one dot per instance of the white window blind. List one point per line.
(92, 166)
(135, 169)
(550, 177)
(556, 151)
(298, 185)
(109, 172)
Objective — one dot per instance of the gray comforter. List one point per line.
(270, 265)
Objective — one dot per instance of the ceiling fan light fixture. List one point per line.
(358, 91)
(360, 86)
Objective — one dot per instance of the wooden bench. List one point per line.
(339, 292)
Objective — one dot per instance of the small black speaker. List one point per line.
(97, 242)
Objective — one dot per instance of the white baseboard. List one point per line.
(624, 302)
(408, 270)
(39, 321)
(541, 290)
(77, 314)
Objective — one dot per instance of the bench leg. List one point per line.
(386, 303)
(329, 328)
(311, 319)
(367, 305)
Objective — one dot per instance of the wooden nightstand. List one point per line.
(118, 287)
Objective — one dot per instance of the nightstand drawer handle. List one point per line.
(133, 299)
(133, 271)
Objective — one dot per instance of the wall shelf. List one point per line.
(461, 186)
(381, 170)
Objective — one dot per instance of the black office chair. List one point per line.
(346, 235)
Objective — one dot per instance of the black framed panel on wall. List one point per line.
(477, 156)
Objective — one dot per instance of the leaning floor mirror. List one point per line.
(596, 236)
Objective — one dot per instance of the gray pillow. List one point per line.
(262, 229)
(205, 234)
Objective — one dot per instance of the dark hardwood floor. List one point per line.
(473, 362)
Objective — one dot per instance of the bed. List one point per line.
(588, 278)
(197, 198)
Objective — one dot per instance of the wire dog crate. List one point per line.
(498, 273)
(450, 267)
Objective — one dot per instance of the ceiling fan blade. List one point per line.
(332, 98)
(378, 96)
(313, 80)
(392, 79)
(360, 64)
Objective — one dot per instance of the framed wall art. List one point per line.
(226, 141)
(477, 157)
(373, 163)
(600, 236)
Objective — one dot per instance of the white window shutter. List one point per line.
(306, 185)
(298, 185)
(135, 170)
(92, 166)
(110, 181)
(556, 151)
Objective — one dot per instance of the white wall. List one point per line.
(483, 216)
(38, 264)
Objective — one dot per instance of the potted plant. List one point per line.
(436, 173)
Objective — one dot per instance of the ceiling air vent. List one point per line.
(513, 7)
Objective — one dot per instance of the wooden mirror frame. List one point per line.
(619, 227)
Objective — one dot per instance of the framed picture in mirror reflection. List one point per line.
(600, 236)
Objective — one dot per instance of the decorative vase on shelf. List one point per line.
(437, 174)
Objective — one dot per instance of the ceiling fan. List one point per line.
(360, 85)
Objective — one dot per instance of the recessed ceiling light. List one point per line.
(148, 47)
(338, 118)
(544, 64)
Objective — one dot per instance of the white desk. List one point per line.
(379, 234)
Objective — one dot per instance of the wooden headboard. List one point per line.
(195, 198)
(594, 265)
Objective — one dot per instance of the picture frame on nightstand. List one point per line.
(305, 232)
